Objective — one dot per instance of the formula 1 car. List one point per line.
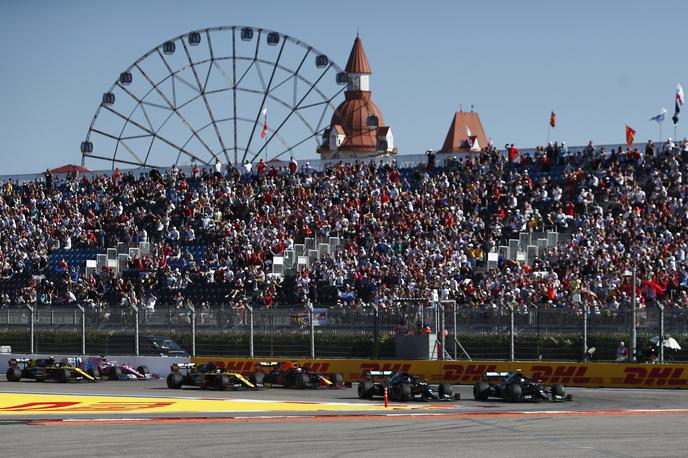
(514, 387)
(289, 374)
(41, 369)
(206, 375)
(101, 367)
(403, 387)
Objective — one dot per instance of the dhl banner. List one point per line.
(610, 375)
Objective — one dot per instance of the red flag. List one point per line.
(553, 120)
(264, 132)
(630, 135)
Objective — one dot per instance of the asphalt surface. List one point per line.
(598, 422)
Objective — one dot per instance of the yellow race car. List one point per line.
(42, 369)
(206, 375)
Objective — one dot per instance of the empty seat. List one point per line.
(278, 264)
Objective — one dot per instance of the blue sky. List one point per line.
(598, 64)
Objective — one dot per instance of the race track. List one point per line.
(280, 422)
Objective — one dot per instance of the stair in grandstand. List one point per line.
(302, 255)
(526, 248)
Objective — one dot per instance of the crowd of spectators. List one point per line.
(410, 232)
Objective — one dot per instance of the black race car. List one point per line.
(288, 374)
(515, 387)
(206, 375)
(41, 369)
(402, 386)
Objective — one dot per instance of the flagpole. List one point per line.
(549, 129)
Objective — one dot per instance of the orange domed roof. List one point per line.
(352, 115)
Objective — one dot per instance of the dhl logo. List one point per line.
(394, 367)
(561, 374)
(249, 367)
(466, 372)
(81, 407)
(658, 376)
(317, 367)
(242, 367)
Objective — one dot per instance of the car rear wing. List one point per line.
(72, 361)
(15, 361)
(496, 374)
(177, 366)
(379, 373)
(268, 364)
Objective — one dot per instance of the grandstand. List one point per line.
(548, 230)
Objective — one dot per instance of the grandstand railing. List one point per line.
(535, 325)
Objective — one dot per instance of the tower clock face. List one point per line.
(355, 83)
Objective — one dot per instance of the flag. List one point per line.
(660, 117)
(630, 135)
(264, 132)
(678, 103)
(553, 120)
(468, 137)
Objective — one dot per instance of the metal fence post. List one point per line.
(272, 331)
(442, 328)
(192, 309)
(585, 333)
(250, 330)
(311, 315)
(512, 353)
(136, 329)
(376, 332)
(83, 329)
(32, 320)
(661, 332)
(456, 338)
(634, 324)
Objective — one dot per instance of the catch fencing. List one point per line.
(462, 332)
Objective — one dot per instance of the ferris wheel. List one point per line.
(231, 93)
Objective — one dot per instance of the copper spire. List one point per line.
(358, 61)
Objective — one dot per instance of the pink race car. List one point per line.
(101, 367)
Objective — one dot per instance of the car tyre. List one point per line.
(558, 390)
(256, 378)
(39, 375)
(143, 370)
(445, 390)
(63, 375)
(394, 393)
(174, 381)
(302, 381)
(337, 379)
(94, 372)
(114, 373)
(222, 381)
(513, 392)
(481, 391)
(13, 374)
(406, 392)
(365, 389)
